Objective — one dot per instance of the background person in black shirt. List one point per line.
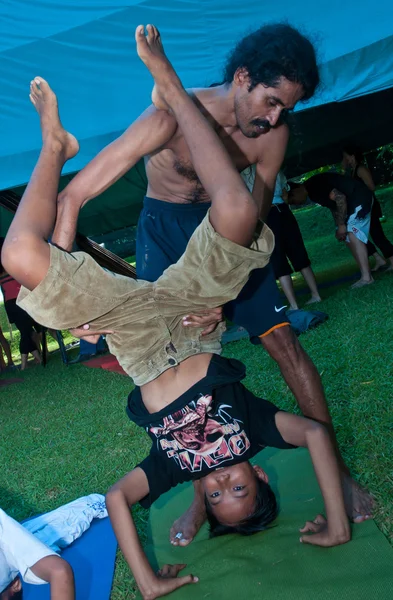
(350, 202)
(354, 165)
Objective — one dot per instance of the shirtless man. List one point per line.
(247, 112)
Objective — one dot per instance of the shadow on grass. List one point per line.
(15, 504)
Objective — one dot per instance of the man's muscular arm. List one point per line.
(146, 135)
(272, 153)
(152, 130)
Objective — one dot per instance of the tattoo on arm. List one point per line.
(340, 214)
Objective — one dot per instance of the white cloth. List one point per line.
(249, 176)
(22, 546)
(359, 227)
(281, 184)
(19, 550)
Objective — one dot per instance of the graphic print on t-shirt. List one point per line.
(198, 436)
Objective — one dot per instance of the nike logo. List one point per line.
(278, 309)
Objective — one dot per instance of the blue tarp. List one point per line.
(86, 51)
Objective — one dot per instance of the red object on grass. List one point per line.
(108, 362)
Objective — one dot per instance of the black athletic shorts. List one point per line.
(164, 229)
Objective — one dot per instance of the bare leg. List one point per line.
(26, 252)
(234, 213)
(7, 349)
(287, 288)
(2, 361)
(187, 526)
(305, 383)
(309, 278)
(23, 361)
(359, 251)
(37, 357)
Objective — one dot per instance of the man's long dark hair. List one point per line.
(275, 51)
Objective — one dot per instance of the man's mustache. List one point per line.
(261, 123)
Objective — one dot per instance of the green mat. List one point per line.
(274, 565)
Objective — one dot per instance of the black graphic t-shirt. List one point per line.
(217, 422)
(356, 192)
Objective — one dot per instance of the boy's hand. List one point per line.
(323, 535)
(208, 319)
(167, 581)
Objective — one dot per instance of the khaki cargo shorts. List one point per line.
(146, 317)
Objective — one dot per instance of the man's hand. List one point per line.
(341, 233)
(323, 534)
(167, 581)
(83, 332)
(208, 319)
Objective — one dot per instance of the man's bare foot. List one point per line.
(187, 526)
(358, 501)
(45, 102)
(314, 299)
(362, 283)
(151, 52)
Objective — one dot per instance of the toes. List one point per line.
(184, 542)
(140, 31)
(35, 87)
(150, 33)
(32, 99)
(358, 519)
(42, 84)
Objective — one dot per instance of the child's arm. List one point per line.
(58, 573)
(120, 498)
(300, 431)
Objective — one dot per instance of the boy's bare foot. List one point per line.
(358, 501)
(362, 283)
(187, 526)
(45, 102)
(151, 52)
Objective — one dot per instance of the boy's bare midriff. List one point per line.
(171, 384)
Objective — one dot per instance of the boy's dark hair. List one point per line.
(275, 51)
(266, 511)
(16, 595)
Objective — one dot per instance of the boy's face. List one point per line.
(231, 491)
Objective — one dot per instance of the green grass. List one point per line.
(65, 433)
